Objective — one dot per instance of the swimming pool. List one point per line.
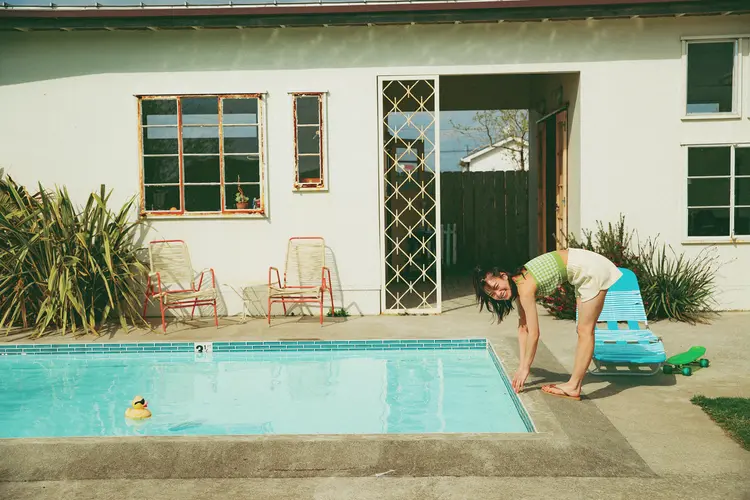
(240, 388)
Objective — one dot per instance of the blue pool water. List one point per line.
(329, 392)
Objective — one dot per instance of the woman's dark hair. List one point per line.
(500, 308)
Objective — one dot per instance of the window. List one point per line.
(309, 143)
(718, 191)
(713, 77)
(202, 155)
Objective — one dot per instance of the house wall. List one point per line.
(68, 116)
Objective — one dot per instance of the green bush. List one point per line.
(673, 286)
(65, 268)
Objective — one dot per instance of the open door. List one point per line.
(552, 188)
(561, 179)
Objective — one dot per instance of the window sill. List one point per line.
(711, 117)
(743, 240)
(225, 216)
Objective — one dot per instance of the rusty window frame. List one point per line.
(322, 182)
(259, 210)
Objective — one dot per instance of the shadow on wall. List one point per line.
(41, 56)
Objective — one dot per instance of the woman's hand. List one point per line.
(519, 379)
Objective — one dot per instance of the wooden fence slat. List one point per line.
(522, 197)
(511, 202)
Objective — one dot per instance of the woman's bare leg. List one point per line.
(588, 313)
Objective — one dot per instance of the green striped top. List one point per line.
(549, 272)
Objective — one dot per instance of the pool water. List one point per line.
(231, 393)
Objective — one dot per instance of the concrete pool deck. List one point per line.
(639, 432)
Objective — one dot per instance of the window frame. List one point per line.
(224, 212)
(737, 78)
(323, 183)
(731, 238)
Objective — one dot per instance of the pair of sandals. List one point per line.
(561, 394)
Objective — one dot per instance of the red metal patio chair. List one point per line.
(305, 274)
(171, 280)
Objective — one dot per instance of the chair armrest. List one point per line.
(325, 270)
(213, 277)
(278, 277)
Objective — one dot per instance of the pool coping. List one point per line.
(558, 446)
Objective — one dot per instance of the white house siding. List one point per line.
(68, 116)
(498, 159)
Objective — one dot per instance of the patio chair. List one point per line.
(305, 275)
(632, 350)
(171, 280)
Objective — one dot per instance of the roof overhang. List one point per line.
(186, 16)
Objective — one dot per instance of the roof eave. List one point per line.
(365, 14)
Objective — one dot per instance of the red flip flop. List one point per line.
(564, 394)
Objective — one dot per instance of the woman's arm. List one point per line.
(532, 329)
(528, 338)
(523, 331)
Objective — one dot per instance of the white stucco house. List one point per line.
(327, 115)
(507, 155)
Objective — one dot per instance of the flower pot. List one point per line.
(242, 205)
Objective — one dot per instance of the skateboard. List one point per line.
(682, 361)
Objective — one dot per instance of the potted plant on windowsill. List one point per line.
(241, 199)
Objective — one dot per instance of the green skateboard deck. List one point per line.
(680, 361)
(688, 356)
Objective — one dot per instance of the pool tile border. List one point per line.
(513, 396)
(249, 346)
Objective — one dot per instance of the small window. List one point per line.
(712, 77)
(201, 155)
(309, 141)
(718, 191)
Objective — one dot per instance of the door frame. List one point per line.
(562, 139)
(381, 79)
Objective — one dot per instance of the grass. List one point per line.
(731, 414)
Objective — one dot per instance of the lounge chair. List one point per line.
(625, 349)
(171, 280)
(305, 275)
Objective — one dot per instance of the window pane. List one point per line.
(161, 140)
(252, 191)
(241, 140)
(709, 161)
(159, 111)
(200, 140)
(742, 161)
(308, 140)
(309, 168)
(708, 222)
(240, 111)
(200, 111)
(742, 221)
(710, 77)
(308, 110)
(708, 192)
(161, 169)
(162, 198)
(202, 198)
(246, 168)
(202, 169)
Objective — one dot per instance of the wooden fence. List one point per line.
(490, 213)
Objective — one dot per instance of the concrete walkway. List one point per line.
(672, 448)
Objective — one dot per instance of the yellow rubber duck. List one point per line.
(139, 409)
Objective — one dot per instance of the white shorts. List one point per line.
(590, 273)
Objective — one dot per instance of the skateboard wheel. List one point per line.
(687, 371)
(667, 369)
(704, 363)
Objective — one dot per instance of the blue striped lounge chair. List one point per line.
(623, 342)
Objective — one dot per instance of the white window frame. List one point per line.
(323, 184)
(737, 78)
(261, 212)
(731, 238)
